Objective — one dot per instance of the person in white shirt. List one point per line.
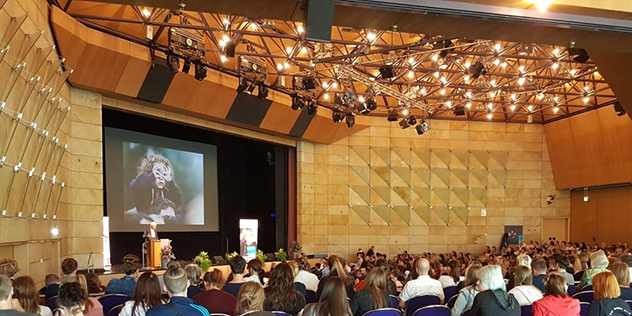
(309, 279)
(524, 291)
(454, 275)
(423, 285)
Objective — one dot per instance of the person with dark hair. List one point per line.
(524, 291)
(126, 284)
(255, 272)
(193, 274)
(453, 277)
(622, 274)
(607, 301)
(214, 299)
(305, 277)
(26, 298)
(539, 273)
(333, 300)
(69, 267)
(94, 283)
(176, 282)
(146, 295)
(374, 294)
(281, 294)
(9, 267)
(337, 269)
(237, 267)
(51, 288)
(72, 299)
(556, 301)
(561, 265)
(627, 258)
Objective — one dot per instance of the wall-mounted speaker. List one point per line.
(319, 17)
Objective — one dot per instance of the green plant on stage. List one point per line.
(203, 260)
(261, 257)
(281, 255)
(229, 256)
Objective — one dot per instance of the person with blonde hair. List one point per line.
(9, 267)
(250, 300)
(493, 300)
(556, 301)
(607, 301)
(193, 274)
(466, 295)
(622, 273)
(214, 299)
(598, 264)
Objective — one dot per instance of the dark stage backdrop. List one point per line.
(252, 183)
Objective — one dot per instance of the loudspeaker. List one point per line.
(579, 55)
(230, 49)
(319, 17)
(619, 109)
(459, 110)
(386, 71)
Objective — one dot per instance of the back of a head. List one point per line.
(9, 267)
(337, 266)
(193, 273)
(562, 262)
(69, 266)
(303, 263)
(333, 299)
(375, 283)
(72, 297)
(627, 258)
(131, 264)
(539, 265)
(5, 287)
(26, 293)
(491, 278)
(598, 259)
(215, 278)
(281, 278)
(175, 280)
(147, 291)
(523, 259)
(471, 276)
(250, 298)
(51, 279)
(605, 285)
(621, 272)
(555, 284)
(423, 266)
(523, 276)
(295, 267)
(255, 266)
(237, 264)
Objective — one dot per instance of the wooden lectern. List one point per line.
(154, 254)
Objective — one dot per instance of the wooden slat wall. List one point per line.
(606, 217)
(590, 149)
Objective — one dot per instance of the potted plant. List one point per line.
(203, 260)
(296, 249)
(281, 255)
(166, 255)
(261, 257)
(229, 256)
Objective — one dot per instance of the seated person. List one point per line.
(237, 267)
(69, 267)
(9, 267)
(193, 274)
(214, 299)
(179, 304)
(126, 284)
(72, 299)
(52, 282)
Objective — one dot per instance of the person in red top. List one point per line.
(214, 299)
(556, 302)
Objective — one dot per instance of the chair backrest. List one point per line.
(279, 313)
(116, 310)
(578, 276)
(383, 312)
(433, 310)
(583, 308)
(218, 314)
(449, 292)
(585, 296)
(468, 312)
(394, 301)
(418, 302)
(629, 303)
(311, 297)
(526, 310)
(52, 303)
(588, 287)
(110, 300)
(452, 301)
(570, 290)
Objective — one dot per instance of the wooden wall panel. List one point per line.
(604, 218)
(590, 149)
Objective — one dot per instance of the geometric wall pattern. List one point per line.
(439, 185)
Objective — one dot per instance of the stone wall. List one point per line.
(397, 190)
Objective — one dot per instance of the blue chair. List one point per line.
(110, 300)
(383, 312)
(526, 310)
(116, 310)
(433, 310)
(418, 302)
(449, 292)
(578, 276)
(279, 313)
(583, 308)
(394, 301)
(452, 301)
(52, 303)
(311, 297)
(570, 290)
(585, 296)
(467, 312)
(588, 287)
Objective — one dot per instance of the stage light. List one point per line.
(555, 66)
(586, 99)
(251, 88)
(386, 71)
(300, 29)
(512, 107)
(393, 115)
(174, 63)
(459, 110)
(542, 5)
(263, 91)
(54, 231)
(146, 13)
(371, 36)
(556, 109)
(619, 109)
(200, 72)
(489, 116)
(187, 66)
(337, 116)
(243, 84)
(350, 120)
(297, 103)
(370, 104)
(422, 127)
(477, 69)
(312, 107)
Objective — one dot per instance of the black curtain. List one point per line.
(251, 183)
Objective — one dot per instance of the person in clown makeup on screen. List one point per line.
(153, 184)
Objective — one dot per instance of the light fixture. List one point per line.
(579, 55)
(497, 47)
(555, 66)
(468, 105)
(459, 110)
(200, 72)
(542, 5)
(337, 116)
(411, 74)
(540, 96)
(448, 104)
(521, 80)
(393, 115)
(530, 108)
(288, 49)
(408, 122)
(477, 69)
(404, 112)
(411, 60)
(371, 36)
(297, 103)
(279, 66)
(490, 106)
(556, 109)
(326, 96)
(54, 231)
(512, 107)
(350, 120)
(585, 194)
(386, 71)
(174, 63)
(489, 116)
(586, 99)
(187, 66)
(300, 29)
(422, 127)
(146, 13)
(243, 84)
(367, 106)
(251, 88)
(312, 107)
(263, 91)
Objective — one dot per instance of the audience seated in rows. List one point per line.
(214, 299)
(250, 300)
(177, 283)
(52, 282)
(72, 299)
(607, 301)
(126, 284)
(422, 285)
(621, 272)
(337, 269)
(466, 295)
(280, 294)
(598, 264)
(147, 294)
(524, 291)
(539, 273)
(374, 294)
(493, 299)
(333, 300)
(26, 299)
(92, 305)
(256, 272)
(556, 301)
(305, 277)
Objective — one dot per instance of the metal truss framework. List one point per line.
(523, 82)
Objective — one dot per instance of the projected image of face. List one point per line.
(160, 172)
